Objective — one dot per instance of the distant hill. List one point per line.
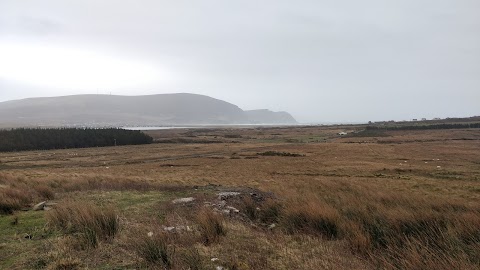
(267, 116)
(152, 110)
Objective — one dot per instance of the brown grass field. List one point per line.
(308, 199)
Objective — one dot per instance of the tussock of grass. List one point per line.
(11, 200)
(44, 191)
(16, 194)
(210, 226)
(270, 211)
(156, 249)
(91, 222)
(314, 218)
(249, 207)
(193, 260)
(395, 232)
(67, 263)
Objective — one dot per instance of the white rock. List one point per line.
(227, 194)
(214, 259)
(183, 200)
(150, 234)
(232, 209)
(39, 206)
(169, 229)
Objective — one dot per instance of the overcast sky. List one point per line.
(322, 61)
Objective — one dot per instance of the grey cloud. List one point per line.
(320, 60)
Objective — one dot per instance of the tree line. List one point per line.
(422, 127)
(62, 138)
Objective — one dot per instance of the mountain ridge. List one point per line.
(116, 110)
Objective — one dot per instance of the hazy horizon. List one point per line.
(337, 62)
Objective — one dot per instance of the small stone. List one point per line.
(150, 234)
(214, 259)
(232, 209)
(272, 226)
(169, 229)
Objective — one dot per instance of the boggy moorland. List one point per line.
(250, 198)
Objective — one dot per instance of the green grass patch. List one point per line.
(19, 239)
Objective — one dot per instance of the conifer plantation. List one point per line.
(62, 138)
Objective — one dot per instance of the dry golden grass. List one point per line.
(156, 249)
(210, 225)
(91, 222)
(18, 193)
(410, 200)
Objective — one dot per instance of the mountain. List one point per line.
(111, 110)
(267, 116)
